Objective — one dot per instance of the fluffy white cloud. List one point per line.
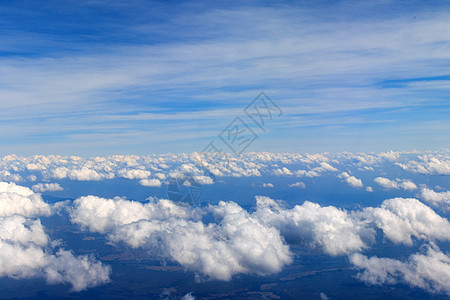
(369, 189)
(15, 199)
(438, 164)
(401, 219)
(404, 184)
(351, 180)
(298, 184)
(22, 231)
(317, 171)
(429, 271)
(441, 199)
(150, 182)
(81, 272)
(203, 179)
(282, 171)
(19, 260)
(7, 176)
(102, 215)
(188, 296)
(237, 243)
(386, 183)
(390, 155)
(26, 250)
(328, 228)
(134, 174)
(81, 174)
(44, 187)
(267, 185)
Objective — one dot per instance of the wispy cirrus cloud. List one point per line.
(379, 68)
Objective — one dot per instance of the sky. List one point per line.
(138, 77)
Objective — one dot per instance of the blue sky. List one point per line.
(137, 77)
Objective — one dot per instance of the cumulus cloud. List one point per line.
(404, 218)
(249, 164)
(27, 251)
(237, 243)
(203, 180)
(5, 175)
(44, 187)
(267, 185)
(15, 199)
(188, 296)
(22, 257)
(351, 180)
(404, 184)
(369, 189)
(441, 199)
(282, 171)
(429, 271)
(150, 182)
(317, 171)
(436, 164)
(324, 296)
(390, 155)
(81, 272)
(298, 184)
(134, 174)
(102, 215)
(81, 174)
(327, 228)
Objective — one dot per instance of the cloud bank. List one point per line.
(26, 250)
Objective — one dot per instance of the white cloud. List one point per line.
(238, 243)
(22, 231)
(401, 219)
(26, 250)
(7, 176)
(369, 189)
(32, 177)
(298, 184)
(282, 171)
(436, 164)
(81, 174)
(44, 187)
(324, 296)
(429, 271)
(15, 199)
(103, 215)
(267, 185)
(328, 228)
(188, 296)
(386, 183)
(161, 176)
(390, 155)
(81, 272)
(150, 182)
(404, 184)
(203, 180)
(407, 185)
(317, 171)
(351, 180)
(441, 199)
(134, 174)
